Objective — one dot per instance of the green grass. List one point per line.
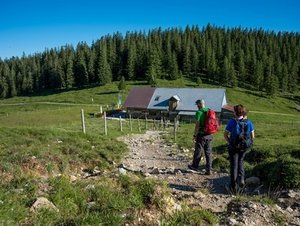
(277, 140)
(105, 95)
(40, 139)
(255, 101)
(191, 217)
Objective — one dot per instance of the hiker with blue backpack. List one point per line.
(206, 125)
(239, 134)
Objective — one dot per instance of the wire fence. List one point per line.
(104, 125)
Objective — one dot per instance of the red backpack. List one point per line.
(211, 123)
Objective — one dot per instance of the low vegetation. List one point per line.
(191, 217)
(42, 147)
(276, 147)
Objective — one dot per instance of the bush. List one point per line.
(281, 172)
(257, 155)
(286, 172)
(295, 153)
(192, 217)
(140, 193)
(221, 164)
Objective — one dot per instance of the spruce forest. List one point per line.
(249, 58)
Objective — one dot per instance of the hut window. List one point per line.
(157, 98)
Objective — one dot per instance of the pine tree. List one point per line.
(271, 80)
(24, 85)
(2, 79)
(131, 61)
(293, 78)
(232, 76)
(199, 81)
(216, 54)
(284, 78)
(36, 73)
(226, 72)
(173, 68)
(103, 71)
(151, 76)
(91, 66)
(187, 67)
(241, 66)
(80, 69)
(154, 68)
(115, 55)
(258, 76)
(67, 67)
(213, 68)
(3, 87)
(122, 84)
(194, 60)
(8, 75)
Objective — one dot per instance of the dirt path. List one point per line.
(149, 154)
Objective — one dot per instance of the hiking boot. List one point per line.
(242, 183)
(207, 172)
(191, 167)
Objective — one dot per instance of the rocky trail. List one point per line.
(150, 155)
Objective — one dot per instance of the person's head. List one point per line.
(240, 110)
(200, 103)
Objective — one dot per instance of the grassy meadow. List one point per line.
(42, 146)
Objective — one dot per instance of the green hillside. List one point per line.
(42, 145)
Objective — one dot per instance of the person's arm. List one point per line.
(196, 130)
(197, 124)
(227, 131)
(226, 136)
(252, 131)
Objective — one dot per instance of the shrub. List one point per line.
(286, 172)
(221, 164)
(191, 217)
(295, 153)
(140, 193)
(257, 155)
(281, 172)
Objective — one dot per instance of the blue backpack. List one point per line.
(242, 138)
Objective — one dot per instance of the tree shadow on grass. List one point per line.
(107, 93)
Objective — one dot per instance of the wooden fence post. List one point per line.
(130, 122)
(121, 127)
(82, 121)
(101, 109)
(105, 124)
(139, 124)
(146, 122)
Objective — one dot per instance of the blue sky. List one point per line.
(31, 26)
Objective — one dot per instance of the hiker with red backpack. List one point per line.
(206, 124)
(239, 134)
